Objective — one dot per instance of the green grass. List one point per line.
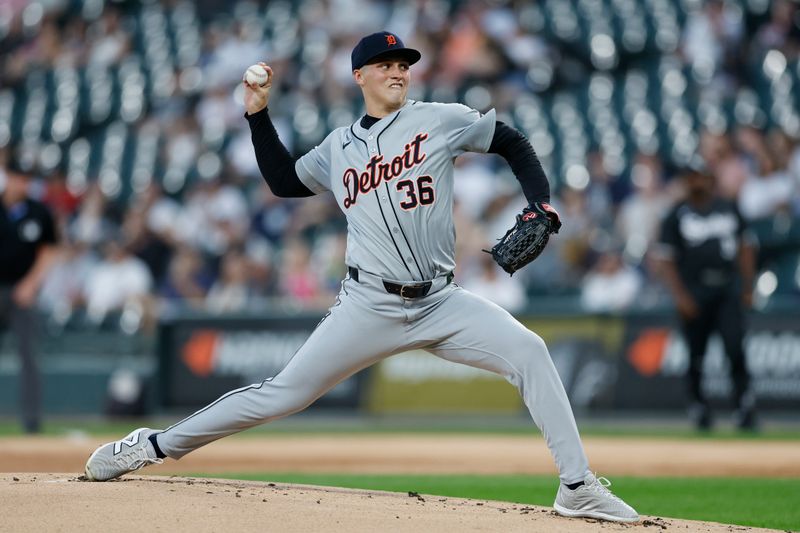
(770, 503)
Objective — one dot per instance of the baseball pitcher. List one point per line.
(391, 173)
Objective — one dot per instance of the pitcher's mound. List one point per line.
(63, 502)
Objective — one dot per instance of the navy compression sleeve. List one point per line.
(515, 148)
(274, 160)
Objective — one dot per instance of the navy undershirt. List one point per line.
(367, 121)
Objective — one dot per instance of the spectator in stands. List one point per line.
(782, 31)
(145, 244)
(162, 213)
(749, 141)
(475, 184)
(708, 263)
(327, 257)
(119, 279)
(214, 217)
(787, 156)
(640, 213)
(261, 268)
(610, 285)
(272, 216)
(231, 291)
(298, 281)
(603, 191)
(769, 189)
(721, 159)
(63, 288)
(37, 51)
(793, 168)
(110, 39)
(572, 249)
(471, 238)
(92, 225)
(712, 37)
(497, 286)
(27, 251)
(61, 200)
(180, 149)
(73, 42)
(188, 280)
(467, 52)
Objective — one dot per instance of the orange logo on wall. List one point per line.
(198, 353)
(647, 351)
(390, 39)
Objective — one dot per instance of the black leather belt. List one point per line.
(407, 290)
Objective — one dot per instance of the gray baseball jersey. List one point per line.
(394, 183)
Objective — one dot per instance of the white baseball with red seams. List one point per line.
(256, 75)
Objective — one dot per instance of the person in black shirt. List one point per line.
(708, 261)
(27, 239)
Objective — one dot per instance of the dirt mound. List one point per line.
(62, 502)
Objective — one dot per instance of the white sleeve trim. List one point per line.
(307, 179)
(491, 117)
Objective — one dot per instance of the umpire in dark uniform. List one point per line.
(708, 260)
(27, 239)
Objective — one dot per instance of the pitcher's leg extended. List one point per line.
(328, 356)
(341, 345)
(483, 335)
(486, 336)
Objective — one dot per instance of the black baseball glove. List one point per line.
(525, 241)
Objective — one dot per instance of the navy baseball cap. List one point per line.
(378, 44)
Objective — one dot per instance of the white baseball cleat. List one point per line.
(593, 500)
(116, 458)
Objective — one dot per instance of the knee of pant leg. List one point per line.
(538, 343)
(285, 406)
(529, 360)
(535, 345)
(279, 401)
(530, 352)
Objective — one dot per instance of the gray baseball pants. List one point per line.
(366, 325)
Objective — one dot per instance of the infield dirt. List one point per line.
(426, 454)
(33, 500)
(61, 502)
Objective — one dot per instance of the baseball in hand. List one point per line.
(256, 75)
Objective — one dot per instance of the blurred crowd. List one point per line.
(184, 220)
